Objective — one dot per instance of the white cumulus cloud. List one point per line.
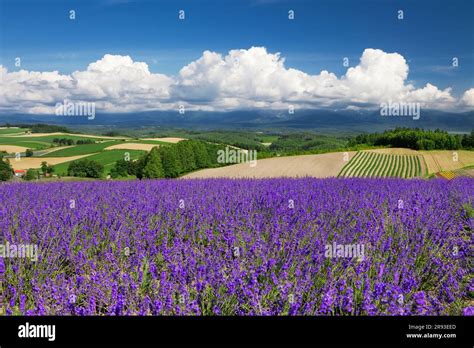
(244, 78)
(468, 98)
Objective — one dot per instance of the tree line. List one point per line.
(417, 139)
(170, 161)
(39, 128)
(68, 141)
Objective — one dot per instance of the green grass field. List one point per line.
(40, 143)
(11, 130)
(31, 143)
(84, 149)
(106, 158)
(371, 164)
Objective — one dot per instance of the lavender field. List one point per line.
(239, 247)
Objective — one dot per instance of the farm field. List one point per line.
(468, 171)
(438, 161)
(318, 166)
(237, 247)
(35, 162)
(381, 164)
(11, 130)
(132, 146)
(85, 149)
(31, 143)
(40, 141)
(395, 151)
(63, 135)
(46, 149)
(171, 140)
(12, 148)
(106, 158)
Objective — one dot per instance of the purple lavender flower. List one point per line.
(468, 311)
(237, 249)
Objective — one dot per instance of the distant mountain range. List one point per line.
(324, 120)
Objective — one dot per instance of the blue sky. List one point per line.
(323, 32)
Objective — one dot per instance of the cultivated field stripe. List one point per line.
(401, 167)
(418, 166)
(360, 166)
(344, 169)
(390, 166)
(380, 165)
(365, 166)
(353, 164)
(398, 167)
(406, 167)
(412, 166)
(353, 169)
(349, 164)
(373, 165)
(383, 165)
(380, 158)
(370, 167)
(365, 169)
(393, 172)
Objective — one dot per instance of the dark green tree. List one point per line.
(44, 167)
(120, 169)
(6, 171)
(187, 157)
(171, 161)
(31, 174)
(201, 155)
(85, 168)
(152, 166)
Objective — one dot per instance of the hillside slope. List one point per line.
(317, 166)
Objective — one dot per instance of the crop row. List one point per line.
(371, 164)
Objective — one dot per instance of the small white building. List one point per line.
(20, 173)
